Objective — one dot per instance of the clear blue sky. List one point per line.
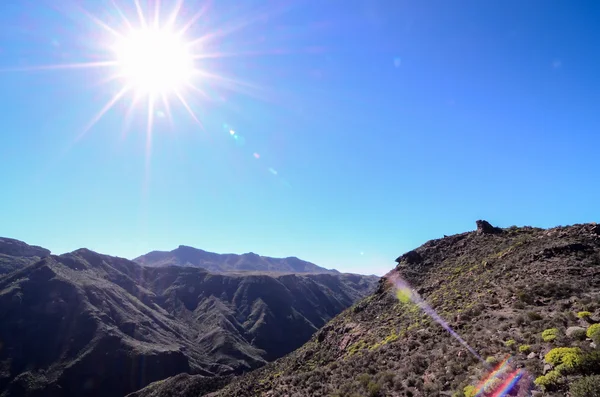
(379, 125)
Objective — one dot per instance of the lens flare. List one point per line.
(487, 381)
(406, 294)
(507, 383)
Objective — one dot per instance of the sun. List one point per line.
(154, 61)
(158, 55)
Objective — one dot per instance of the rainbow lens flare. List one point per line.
(501, 380)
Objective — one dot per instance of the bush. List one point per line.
(525, 297)
(578, 334)
(373, 389)
(590, 363)
(491, 360)
(549, 381)
(534, 316)
(550, 334)
(525, 349)
(593, 332)
(564, 358)
(584, 314)
(588, 386)
(470, 391)
(509, 343)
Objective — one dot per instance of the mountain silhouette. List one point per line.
(194, 257)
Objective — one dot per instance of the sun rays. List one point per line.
(153, 58)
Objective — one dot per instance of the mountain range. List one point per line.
(87, 324)
(493, 312)
(194, 257)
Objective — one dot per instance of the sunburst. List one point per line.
(153, 56)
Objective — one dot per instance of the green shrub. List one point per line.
(550, 334)
(584, 314)
(588, 386)
(525, 349)
(564, 358)
(509, 343)
(549, 381)
(491, 360)
(593, 332)
(470, 391)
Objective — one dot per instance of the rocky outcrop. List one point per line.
(410, 258)
(484, 227)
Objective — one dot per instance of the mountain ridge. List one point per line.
(185, 255)
(110, 326)
(523, 292)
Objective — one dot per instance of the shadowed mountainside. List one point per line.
(520, 291)
(194, 257)
(15, 254)
(85, 324)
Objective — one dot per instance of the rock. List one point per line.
(531, 355)
(575, 332)
(484, 227)
(547, 368)
(593, 345)
(411, 258)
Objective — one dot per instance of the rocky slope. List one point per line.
(194, 257)
(520, 291)
(15, 254)
(85, 324)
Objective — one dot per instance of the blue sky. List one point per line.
(378, 125)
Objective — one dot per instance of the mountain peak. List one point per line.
(12, 247)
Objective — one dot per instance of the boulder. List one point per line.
(484, 227)
(575, 332)
(411, 258)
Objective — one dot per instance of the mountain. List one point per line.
(194, 257)
(86, 324)
(526, 293)
(15, 254)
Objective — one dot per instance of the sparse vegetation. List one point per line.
(525, 349)
(588, 386)
(584, 315)
(469, 280)
(550, 335)
(593, 332)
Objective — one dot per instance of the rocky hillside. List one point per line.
(520, 292)
(15, 254)
(85, 324)
(194, 257)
